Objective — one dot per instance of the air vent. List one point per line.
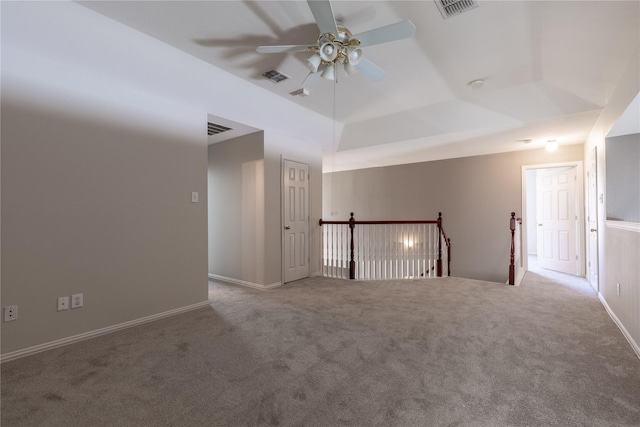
(214, 129)
(275, 76)
(449, 8)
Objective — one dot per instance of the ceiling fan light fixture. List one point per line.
(350, 68)
(328, 52)
(354, 55)
(313, 62)
(329, 72)
(337, 45)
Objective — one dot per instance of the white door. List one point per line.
(296, 220)
(592, 221)
(556, 219)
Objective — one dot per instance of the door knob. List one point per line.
(539, 225)
(594, 229)
(287, 228)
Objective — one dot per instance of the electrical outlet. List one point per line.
(77, 300)
(618, 288)
(10, 313)
(63, 303)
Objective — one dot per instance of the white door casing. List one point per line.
(296, 219)
(557, 220)
(592, 220)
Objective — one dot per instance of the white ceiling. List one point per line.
(629, 122)
(548, 67)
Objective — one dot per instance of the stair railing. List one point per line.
(385, 249)
(516, 268)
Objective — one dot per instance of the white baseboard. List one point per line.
(520, 276)
(244, 283)
(617, 321)
(96, 333)
(518, 279)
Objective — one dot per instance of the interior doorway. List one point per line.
(296, 220)
(553, 217)
(592, 220)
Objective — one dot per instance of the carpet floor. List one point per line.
(326, 352)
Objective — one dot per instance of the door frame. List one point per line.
(592, 197)
(580, 210)
(282, 216)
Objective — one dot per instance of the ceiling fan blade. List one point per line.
(311, 79)
(323, 15)
(399, 30)
(283, 48)
(371, 70)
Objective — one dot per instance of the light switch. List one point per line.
(194, 197)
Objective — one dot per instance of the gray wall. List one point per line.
(236, 208)
(98, 203)
(475, 195)
(618, 248)
(103, 141)
(623, 178)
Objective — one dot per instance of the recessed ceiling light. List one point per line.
(476, 84)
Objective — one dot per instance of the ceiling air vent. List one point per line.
(214, 129)
(449, 8)
(275, 76)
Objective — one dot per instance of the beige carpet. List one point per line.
(325, 352)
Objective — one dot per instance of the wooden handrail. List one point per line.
(352, 222)
(447, 241)
(323, 222)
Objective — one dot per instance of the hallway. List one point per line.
(570, 281)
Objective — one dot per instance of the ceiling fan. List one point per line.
(336, 45)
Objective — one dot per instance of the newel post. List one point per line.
(512, 268)
(439, 262)
(352, 263)
(448, 257)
